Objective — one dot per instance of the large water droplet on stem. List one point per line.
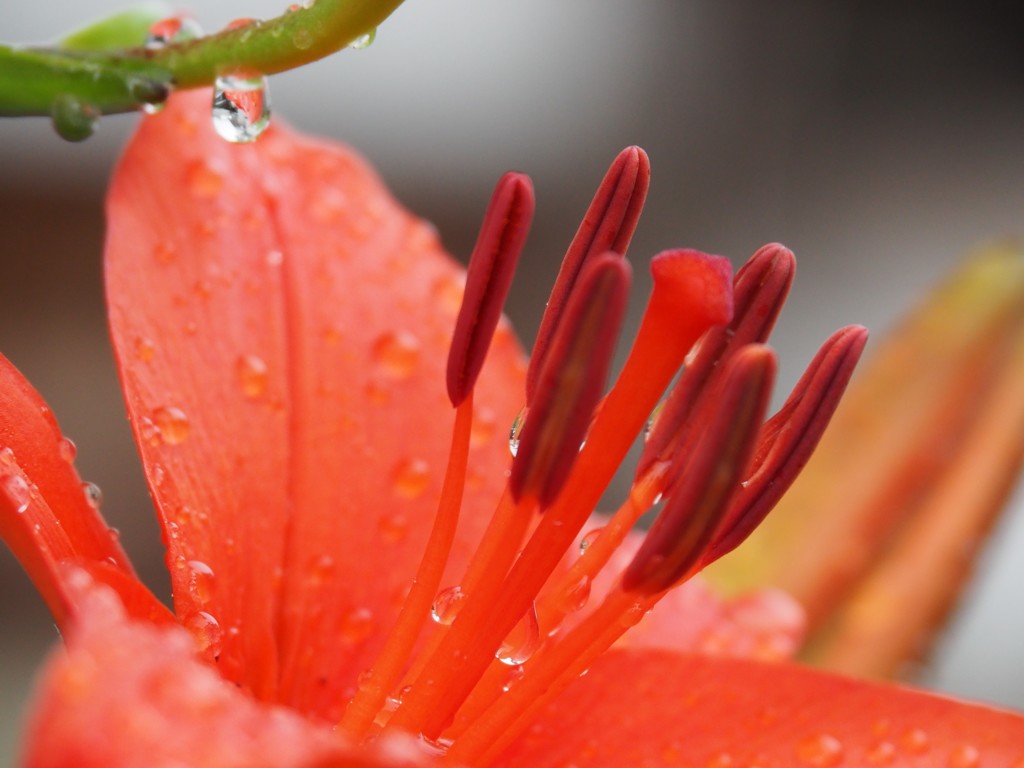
(522, 642)
(73, 119)
(241, 107)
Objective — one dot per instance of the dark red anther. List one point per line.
(760, 289)
(708, 476)
(572, 380)
(489, 276)
(608, 225)
(789, 438)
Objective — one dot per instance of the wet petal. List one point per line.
(126, 693)
(650, 708)
(293, 423)
(45, 517)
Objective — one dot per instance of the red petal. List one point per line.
(125, 693)
(645, 708)
(282, 327)
(44, 516)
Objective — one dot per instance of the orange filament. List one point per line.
(373, 692)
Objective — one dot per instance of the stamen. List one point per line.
(759, 291)
(790, 437)
(708, 475)
(488, 278)
(571, 381)
(608, 225)
(691, 291)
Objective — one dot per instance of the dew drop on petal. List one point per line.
(515, 432)
(67, 450)
(881, 753)
(822, 749)
(964, 756)
(145, 349)
(201, 580)
(397, 354)
(357, 625)
(253, 376)
(204, 182)
(914, 741)
(206, 631)
(446, 605)
(172, 424)
(16, 489)
(364, 41)
(522, 642)
(484, 426)
(93, 495)
(241, 107)
(393, 526)
(411, 478)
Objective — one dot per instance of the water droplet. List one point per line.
(176, 29)
(206, 631)
(589, 538)
(914, 740)
(93, 495)
(397, 354)
(252, 376)
(171, 424)
(145, 349)
(516, 432)
(364, 41)
(73, 119)
(201, 580)
(393, 526)
(204, 182)
(67, 450)
(822, 749)
(446, 605)
(522, 642)
(881, 753)
(484, 426)
(964, 756)
(721, 760)
(652, 420)
(302, 39)
(16, 489)
(357, 626)
(241, 107)
(449, 290)
(411, 478)
(576, 598)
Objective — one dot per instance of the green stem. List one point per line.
(33, 79)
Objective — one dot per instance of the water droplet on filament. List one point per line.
(93, 495)
(446, 605)
(516, 432)
(522, 642)
(241, 107)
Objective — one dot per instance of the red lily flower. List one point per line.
(280, 326)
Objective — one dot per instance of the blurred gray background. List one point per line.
(879, 142)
